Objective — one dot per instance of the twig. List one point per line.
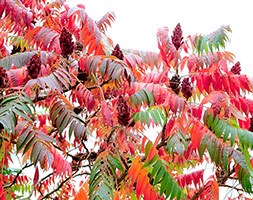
(197, 194)
(232, 187)
(111, 133)
(163, 140)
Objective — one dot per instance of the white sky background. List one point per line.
(137, 22)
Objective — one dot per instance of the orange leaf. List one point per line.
(195, 136)
(215, 190)
(82, 194)
(135, 169)
(141, 184)
(152, 153)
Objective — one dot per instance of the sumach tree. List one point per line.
(93, 120)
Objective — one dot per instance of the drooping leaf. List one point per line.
(103, 174)
(60, 164)
(13, 106)
(152, 59)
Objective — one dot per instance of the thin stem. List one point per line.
(163, 139)
(232, 187)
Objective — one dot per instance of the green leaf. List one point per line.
(21, 114)
(18, 59)
(156, 167)
(223, 129)
(213, 41)
(115, 162)
(141, 96)
(164, 185)
(24, 138)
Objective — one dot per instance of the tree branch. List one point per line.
(232, 187)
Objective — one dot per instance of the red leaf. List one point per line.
(244, 82)
(59, 164)
(36, 176)
(2, 192)
(84, 97)
(141, 183)
(211, 189)
(216, 82)
(131, 148)
(82, 194)
(195, 178)
(207, 79)
(152, 153)
(106, 113)
(235, 87)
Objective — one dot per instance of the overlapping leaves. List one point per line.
(212, 41)
(62, 116)
(154, 114)
(104, 176)
(203, 139)
(13, 107)
(22, 59)
(229, 132)
(108, 68)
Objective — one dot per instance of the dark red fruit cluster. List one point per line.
(34, 66)
(177, 37)
(175, 83)
(82, 75)
(110, 93)
(186, 88)
(4, 81)
(117, 52)
(66, 43)
(236, 69)
(251, 124)
(123, 111)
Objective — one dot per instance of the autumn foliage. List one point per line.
(83, 118)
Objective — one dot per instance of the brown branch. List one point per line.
(163, 140)
(232, 187)
(198, 193)
(58, 188)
